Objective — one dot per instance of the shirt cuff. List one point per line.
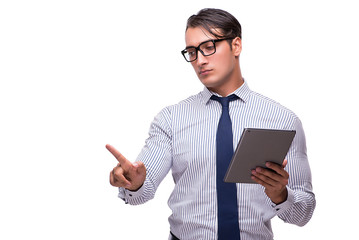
(126, 194)
(282, 207)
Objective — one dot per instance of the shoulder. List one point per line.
(187, 103)
(190, 103)
(270, 105)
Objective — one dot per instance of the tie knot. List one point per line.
(224, 100)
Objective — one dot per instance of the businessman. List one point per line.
(196, 137)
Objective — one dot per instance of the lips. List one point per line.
(204, 71)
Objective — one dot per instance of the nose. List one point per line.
(201, 60)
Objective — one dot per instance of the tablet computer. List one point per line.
(255, 148)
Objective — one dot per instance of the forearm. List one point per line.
(157, 158)
(300, 204)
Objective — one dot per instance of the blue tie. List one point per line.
(228, 227)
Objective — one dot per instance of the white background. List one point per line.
(75, 75)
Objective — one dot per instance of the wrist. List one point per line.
(282, 197)
(134, 189)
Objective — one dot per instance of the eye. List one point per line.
(191, 52)
(209, 47)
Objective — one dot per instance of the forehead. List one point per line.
(194, 36)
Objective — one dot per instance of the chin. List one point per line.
(210, 83)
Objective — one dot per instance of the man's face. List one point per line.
(215, 70)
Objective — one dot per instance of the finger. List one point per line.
(261, 182)
(268, 172)
(271, 177)
(278, 169)
(265, 177)
(280, 177)
(119, 179)
(120, 158)
(112, 178)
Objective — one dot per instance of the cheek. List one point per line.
(224, 63)
(195, 67)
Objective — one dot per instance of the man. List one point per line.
(187, 138)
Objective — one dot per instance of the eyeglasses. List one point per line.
(207, 48)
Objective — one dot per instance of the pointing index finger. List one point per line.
(120, 158)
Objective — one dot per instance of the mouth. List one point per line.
(204, 71)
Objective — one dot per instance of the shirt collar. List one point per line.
(243, 92)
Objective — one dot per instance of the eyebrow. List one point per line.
(199, 44)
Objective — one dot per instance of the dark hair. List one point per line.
(211, 19)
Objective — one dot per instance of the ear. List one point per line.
(237, 46)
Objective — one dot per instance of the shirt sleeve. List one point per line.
(157, 158)
(300, 204)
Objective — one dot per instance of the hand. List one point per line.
(274, 182)
(126, 174)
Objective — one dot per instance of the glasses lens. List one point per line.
(207, 48)
(190, 54)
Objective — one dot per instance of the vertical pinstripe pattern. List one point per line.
(182, 138)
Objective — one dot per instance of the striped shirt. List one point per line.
(182, 138)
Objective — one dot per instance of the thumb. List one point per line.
(285, 162)
(139, 167)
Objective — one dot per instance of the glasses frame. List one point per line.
(214, 41)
